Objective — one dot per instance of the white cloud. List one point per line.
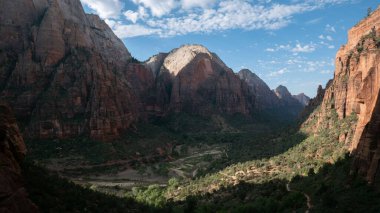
(278, 73)
(132, 30)
(132, 16)
(308, 48)
(314, 21)
(330, 28)
(230, 14)
(298, 48)
(331, 47)
(158, 7)
(329, 38)
(105, 8)
(188, 4)
(179, 17)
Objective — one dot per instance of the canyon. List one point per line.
(179, 129)
(66, 74)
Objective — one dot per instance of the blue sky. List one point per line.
(288, 42)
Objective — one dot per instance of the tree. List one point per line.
(369, 11)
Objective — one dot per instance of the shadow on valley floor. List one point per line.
(241, 138)
(53, 194)
(331, 189)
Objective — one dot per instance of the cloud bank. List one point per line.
(167, 18)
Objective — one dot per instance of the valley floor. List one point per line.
(240, 171)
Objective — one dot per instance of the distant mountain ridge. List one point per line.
(302, 98)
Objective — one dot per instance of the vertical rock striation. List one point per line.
(65, 73)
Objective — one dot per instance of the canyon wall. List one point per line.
(355, 92)
(65, 73)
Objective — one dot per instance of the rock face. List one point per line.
(191, 79)
(264, 97)
(287, 102)
(65, 73)
(302, 98)
(356, 90)
(280, 103)
(13, 196)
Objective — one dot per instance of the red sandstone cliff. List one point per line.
(13, 196)
(65, 73)
(356, 90)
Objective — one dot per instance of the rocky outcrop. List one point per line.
(194, 80)
(264, 97)
(13, 196)
(302, 98)
(355, 91)
(65, 73)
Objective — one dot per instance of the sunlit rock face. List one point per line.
(355, 90)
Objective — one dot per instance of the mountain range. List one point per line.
(66, 74)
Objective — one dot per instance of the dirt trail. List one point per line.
(308, 198)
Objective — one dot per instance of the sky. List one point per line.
(285, 42)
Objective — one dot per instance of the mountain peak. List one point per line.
(282, 92)
(179, 58)
(196, 48)
(250, 77)
(247, 72)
